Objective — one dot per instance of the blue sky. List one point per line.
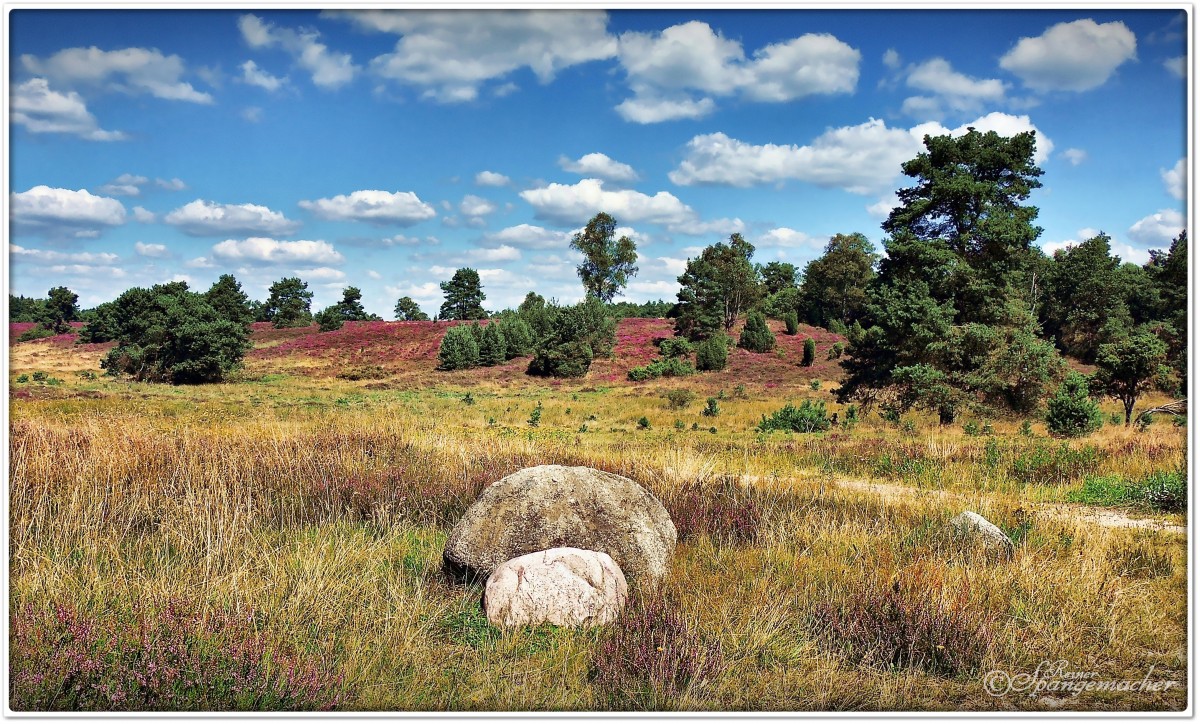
(384, 149)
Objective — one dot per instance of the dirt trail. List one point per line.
(1067, 511)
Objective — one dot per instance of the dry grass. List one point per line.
(319, 507)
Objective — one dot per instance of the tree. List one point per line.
(227, 298)
(518, 335)
(712, 354)
(25, 309)
(608, 264)
(60, 309)
(464, 296)
(1083, 307)
(408, 311)
(578, 334)
(835, 284)
(810, 352)
(289, 303)
(777, 276)
(1169, 273)
(493, 348)
(350, 308)
(1071, 412)
(170, 334)
(1128, 367)
(537, 314)
(756, 336)
(716, 287)
(458, 350)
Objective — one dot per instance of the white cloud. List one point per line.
(1157, 230)
(790, 238)
(717, 227)
(451, 54)
(374, 274)
(526, 236)
(1175, 179)
(271, 251)
(1075, 56)
(320, 274)
(665, 69)
(130, 70)
(951, 90)
(490, 178)
(154, 251)
(42, 256)
(575, 204)
(1049, 247)
(200, 262)
(171, 185)
(891, 58)
(599, 165)
(500, 253)
(143, 215)
(1177, 65)
(862, 159)
(208, 218)
(60, 212)
(1075, 156)
(255, 76)
(251, 114)
(882, 208)
(329, 69)
(473, 205)
(126, 184)
(426, 295)
(402, 208)
(41, 110)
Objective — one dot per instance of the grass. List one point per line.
(299, 518)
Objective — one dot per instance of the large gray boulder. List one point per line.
(562, 586)
(976, 532)
(552, 506)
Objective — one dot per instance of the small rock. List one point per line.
(561, 586)
(974, 529)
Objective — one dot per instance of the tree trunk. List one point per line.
(1128, 410)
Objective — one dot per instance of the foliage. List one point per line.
(810, 352)
(835, 283)
(464, 296)
(60, 309)
(1164, 491)
(777, 276)
(228, 299)
(791, 324)
(289, 303)
(711, 408)
(493, 349)
(1082, 308)
(25, 309)
(1071, 412)
(712, 354)
(756, 336)
(1127, 368)
(680, 398)
(577, 335)
(808, 417)
(715, 288)
(407, 310)
(662, 367)
(608, 264)
(518, 335)
(640, 310)
(458, 350)
(675, 347)
(35, 333)
(535, 417)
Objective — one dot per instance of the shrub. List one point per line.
(459, 350)
(814, 385)
(576, 335)
(673, 367)
(679, 399)
(38, 332)
(40, 376)
(1071, 412)
(643, 423)
(673, 347)
(568, 359)
(22, 379)
(810, 352)
(756, 336)
(651, 655)
(791, 323)
(535, 417)
(711, 409)
(363, 372)
(329, 319)
(493, 349)
(518, 336)
(808, 417)
(712, 354)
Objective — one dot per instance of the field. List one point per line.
(275, 541)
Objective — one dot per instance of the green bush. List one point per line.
(673, 347)
(791, 323)
(535, 417)
(673, 367)
(518, 336)
(679, 399)
(712, 354)
(493, 348)
(329, 319)
(756, 336)
(808, 417)
(459, 350)
(38, 332)
(566, 359)
(576, 335)
(643, 423)
(22, 379)
(1071, 412)
(711, 409)
(810, 352)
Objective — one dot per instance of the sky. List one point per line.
(385, 149)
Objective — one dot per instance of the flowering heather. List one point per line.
(635, 347)
(722, 509)
(170, 659)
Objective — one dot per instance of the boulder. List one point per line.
(552, 506)
(977, 531)
(562, 586)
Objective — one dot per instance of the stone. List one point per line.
(562, 586)
(552, 506)
(974, 529)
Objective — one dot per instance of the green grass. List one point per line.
(1164, 491)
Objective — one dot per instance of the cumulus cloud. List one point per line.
(261, 250)
(450, 55)
(255, 76)
(43, 256)
(402, 208)
(527, 236)
(329, 69)
(473, 205)
(599, 165)
(39, 109)
(715, 227)
(863, 159)
(882, 208)
(126, 184)
(1175, 179)
(320, 274)
(490, 178)
(949, 90)
(130, 70)
(1075, 156)
(63, 212)
(154, 251)
(208, 218)
(143, 215)
(170, 185)
(575, 204)
(1157, 230)
(787, 238)
(1074, 56)
(676, 72)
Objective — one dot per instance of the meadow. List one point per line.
(274, 541)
